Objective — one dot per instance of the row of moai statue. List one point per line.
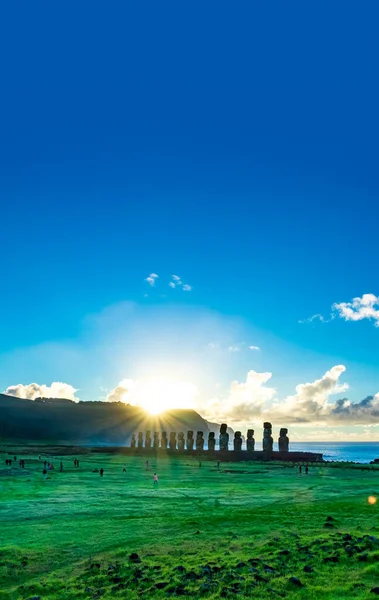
(177, 442)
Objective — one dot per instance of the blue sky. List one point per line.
(232, 144)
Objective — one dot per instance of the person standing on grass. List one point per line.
(147, 465)
(124, 469)
(306, 470)
(300, 469)
(101, 472)
(155, 479)
(44, 474)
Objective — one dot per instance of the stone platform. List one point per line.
(215, 455)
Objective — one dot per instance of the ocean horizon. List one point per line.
(360, 452)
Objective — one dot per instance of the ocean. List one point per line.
(361, 452)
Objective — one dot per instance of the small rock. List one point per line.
(197, 532)
(347, 537)
(180, 590)
(241, 565)
(134, 558)
(329, 519)
(331, 559)
(328, 524)
(161, 585)
(284, 552)
(308, 569)
(269, 570)
(179, 569)
(295, 581)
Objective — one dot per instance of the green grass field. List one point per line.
(202, 533)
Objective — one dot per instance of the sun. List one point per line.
(158, 395)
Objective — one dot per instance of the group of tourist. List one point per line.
(8, 462)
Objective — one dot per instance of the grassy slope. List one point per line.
(204, 520)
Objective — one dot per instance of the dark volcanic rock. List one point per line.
(134, 558)
(331, 559)
(179, 569)
(295, 581)
(308, 569)
(161, 585)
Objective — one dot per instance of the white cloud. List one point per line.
(244, 403)
(176, 282)
(254, 348)
(151, 279)
(234, 349)
(317, 317)
(366, 307)
(32, 391)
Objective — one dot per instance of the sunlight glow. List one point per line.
(158, 395)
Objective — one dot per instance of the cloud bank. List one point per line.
(253, 400)
(32, 391)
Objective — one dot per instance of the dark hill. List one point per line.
(83, 423)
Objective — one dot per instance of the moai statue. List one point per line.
(181, 441)
(140, 440)
(268, 442)
(283, 441)
(190, 440)
(148, 439)
(133, 442)
(237, 443)
(250, 441)
(199, 441)
(173, 440)
(211, 442)
(156, 440)
(164, 440)
(224, 437)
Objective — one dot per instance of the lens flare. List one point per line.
(371, 500)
